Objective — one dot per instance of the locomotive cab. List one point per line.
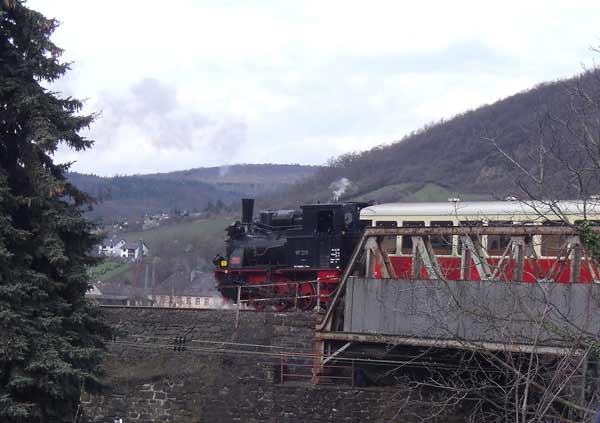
(327, 236)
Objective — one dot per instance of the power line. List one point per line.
(299, 355)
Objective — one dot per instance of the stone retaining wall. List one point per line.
(150, 382)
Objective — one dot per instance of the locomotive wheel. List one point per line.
(307, 290)
(257, 305)
(282, 290)
(257, 293)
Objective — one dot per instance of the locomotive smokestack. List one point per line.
(247, 210)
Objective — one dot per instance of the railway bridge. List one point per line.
(500, 314)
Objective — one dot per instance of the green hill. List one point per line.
(452, 158)
(136, 195)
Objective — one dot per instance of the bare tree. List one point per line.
(544, 368)
(562, 162)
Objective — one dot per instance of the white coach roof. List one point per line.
(483, 208)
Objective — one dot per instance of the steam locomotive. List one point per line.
(288, 258)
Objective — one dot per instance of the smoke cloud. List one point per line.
(152, 110)
(339, 187)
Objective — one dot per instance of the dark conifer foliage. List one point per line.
(51, 338)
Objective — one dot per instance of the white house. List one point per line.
(133, 250)
(111, 247)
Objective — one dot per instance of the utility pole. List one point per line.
(153, 273)
(146, 284)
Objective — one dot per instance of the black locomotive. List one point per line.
(288, 257)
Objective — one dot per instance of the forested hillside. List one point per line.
(133, 196)
(452, 158)
(455, 157)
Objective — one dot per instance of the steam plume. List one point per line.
(339, 187)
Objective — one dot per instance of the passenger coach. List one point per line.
(455, 213)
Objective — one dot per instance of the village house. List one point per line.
(111, 247)
(123, 249)
(188, 301)
(180, 290)
(134, 250)
(113, 294)
(188, 290)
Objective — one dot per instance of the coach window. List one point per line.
(365, 223)
(552, 244)
(496, 244)
(389, 242)
(442, 244)
(467, 224)
(407, 244)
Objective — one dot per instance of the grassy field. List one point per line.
(433, 192)
(180, 232)
(169, 244)
(387, 193)
(108, 269)
(415, 192)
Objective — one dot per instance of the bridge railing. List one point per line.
(519, 259)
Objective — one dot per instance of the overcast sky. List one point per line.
(182, 84)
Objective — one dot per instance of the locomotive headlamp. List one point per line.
(223, 263)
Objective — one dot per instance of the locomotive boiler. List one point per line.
(288, 258)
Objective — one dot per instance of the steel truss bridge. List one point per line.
(513, 303)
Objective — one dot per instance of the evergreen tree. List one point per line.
(51, 338)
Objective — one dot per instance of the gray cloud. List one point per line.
(229, 137)
(306, 84)
(152, 110)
